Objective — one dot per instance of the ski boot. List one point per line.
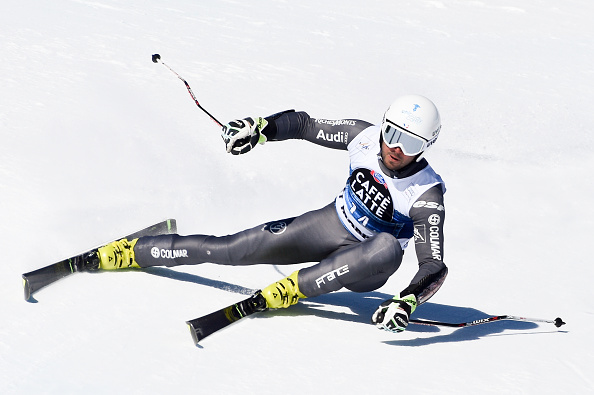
(254, 304)
(283, 293)
(118, 255)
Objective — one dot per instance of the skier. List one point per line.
(391, 196)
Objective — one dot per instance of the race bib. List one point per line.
(372, 191)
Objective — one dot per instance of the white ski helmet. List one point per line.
(412, 123)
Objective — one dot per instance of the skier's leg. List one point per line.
(361, 267)
(306, 238)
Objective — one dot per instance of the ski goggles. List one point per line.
(396, 136)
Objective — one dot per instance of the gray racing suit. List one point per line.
(357, 241)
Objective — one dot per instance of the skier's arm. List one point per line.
(299, 125)
(428, 214)
(242, 135)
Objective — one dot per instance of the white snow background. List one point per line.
(98, 141)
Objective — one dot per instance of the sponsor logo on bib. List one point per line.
(371, 190)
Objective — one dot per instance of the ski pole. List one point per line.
(557, 321)
(157, 59)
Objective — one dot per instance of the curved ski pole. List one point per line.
(557, 321)
(157, 59)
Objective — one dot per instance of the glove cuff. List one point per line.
(261, 123)
(410, 300)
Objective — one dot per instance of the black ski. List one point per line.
(210, 323)
(37, 279)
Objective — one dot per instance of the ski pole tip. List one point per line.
(156, 57)
(559, 322)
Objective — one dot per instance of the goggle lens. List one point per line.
(409, 143)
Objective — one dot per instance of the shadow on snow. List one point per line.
(362, 305)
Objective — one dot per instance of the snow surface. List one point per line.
(98, 141)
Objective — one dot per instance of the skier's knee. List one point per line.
(384, 249)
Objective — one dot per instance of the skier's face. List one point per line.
(394, 158)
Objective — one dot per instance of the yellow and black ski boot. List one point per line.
(118, 255)
(283, 293)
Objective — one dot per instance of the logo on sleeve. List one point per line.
(430, 205)
(434, 219)
(420, 234)
(339, 137)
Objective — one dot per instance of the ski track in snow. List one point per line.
(99, 141)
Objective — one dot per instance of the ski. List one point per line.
(37, 279)
(207, 325)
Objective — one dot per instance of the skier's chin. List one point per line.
(393, 162)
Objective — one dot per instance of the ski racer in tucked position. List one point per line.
(391, 196)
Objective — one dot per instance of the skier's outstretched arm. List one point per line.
(241, 136)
